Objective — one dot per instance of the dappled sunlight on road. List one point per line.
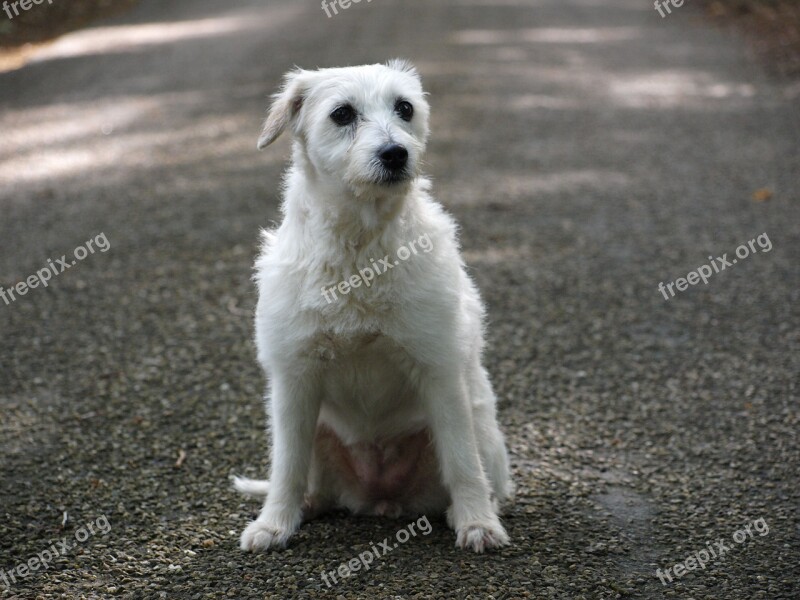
(511, 187)
(519, 102)
(673, 88)
(516, 185)
(120, 135)
(547, 35)
(61, 123)
(126, 38)
(114, 138)
(495, 254)
(576, 69)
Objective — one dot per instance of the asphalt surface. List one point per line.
(590, 150)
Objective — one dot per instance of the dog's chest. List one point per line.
(368, 382)
(343, 348)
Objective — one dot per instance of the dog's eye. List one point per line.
(405, 110)
(344, 115)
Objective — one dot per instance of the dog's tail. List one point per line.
(251, 487)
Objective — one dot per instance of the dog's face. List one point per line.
(365, 127)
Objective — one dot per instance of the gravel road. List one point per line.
(590, 150)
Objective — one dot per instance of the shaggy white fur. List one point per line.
(378, 400)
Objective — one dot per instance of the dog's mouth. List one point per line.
(380, 178)
(390, 178)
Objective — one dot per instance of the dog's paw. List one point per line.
(262, 535)
(480, 537)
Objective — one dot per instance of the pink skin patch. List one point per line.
(384, 473)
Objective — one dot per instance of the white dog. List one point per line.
(378, 399)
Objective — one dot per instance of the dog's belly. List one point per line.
(372, 434)
(381, 474)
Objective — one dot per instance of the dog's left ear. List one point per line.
(403, 65)
(285, 107)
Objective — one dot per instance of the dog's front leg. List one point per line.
(295, 404)
(471, 513)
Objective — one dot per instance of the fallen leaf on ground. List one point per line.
(762, 194)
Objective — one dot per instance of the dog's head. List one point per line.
(365, 127)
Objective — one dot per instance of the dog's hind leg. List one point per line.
(321, 494)
(314, 505)
(319, 499)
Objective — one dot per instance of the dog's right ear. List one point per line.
(285, 107)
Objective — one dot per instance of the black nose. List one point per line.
(393, 156)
